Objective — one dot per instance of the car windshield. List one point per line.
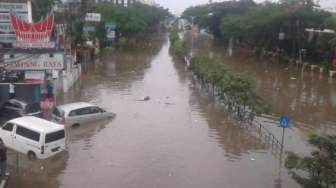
(31, 108)
(52, 137)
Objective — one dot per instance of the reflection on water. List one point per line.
(179, 138)
(308, 97)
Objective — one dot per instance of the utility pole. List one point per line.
(192, 37)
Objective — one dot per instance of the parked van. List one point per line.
(75, 114)
(38, 138)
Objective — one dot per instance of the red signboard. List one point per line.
(30, 35)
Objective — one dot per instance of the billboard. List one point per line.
(34, 61)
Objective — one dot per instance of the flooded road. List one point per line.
(180, 138)
(307, 97)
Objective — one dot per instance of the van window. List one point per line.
(79, 112)
(85, 111)
(51, 137)
(27, 133)
(58, 112)
(95, 110)
(73, 113)
(8, 127)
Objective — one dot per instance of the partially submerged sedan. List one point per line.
(76, 114)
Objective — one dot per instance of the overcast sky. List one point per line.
(178, 6)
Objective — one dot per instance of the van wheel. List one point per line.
(75, 125)
(31, 155)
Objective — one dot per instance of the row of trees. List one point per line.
(131, 21)
(178, 46)
(237, 92)
(234, 90)
(258, 26)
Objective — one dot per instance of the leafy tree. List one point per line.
(319, 169)
(42, 7)
(258, 26)
(234, 89)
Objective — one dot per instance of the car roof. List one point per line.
(73, 106)
(22, 103)
(37, 124)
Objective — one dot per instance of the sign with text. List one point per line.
(26, 45)
(36, 75)
(15, 7)
(34, 62)
(93, 17)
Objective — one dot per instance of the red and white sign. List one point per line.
(33, 35)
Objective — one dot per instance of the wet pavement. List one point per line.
(180, 138)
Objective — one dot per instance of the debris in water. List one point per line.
(147, 98)
(42, 168)
(252, 159)
(168, 103)
(170, 174)
(293, 78)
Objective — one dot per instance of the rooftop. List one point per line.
(37, 124)
(73, 106)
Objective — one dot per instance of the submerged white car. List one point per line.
(76, 114)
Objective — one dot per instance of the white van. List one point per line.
(38, 138)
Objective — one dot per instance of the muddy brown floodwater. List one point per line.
(180, 138)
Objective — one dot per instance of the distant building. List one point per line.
(128, 2)
(22, 8)
(118, 2)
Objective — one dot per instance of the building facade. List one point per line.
(21, 8)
